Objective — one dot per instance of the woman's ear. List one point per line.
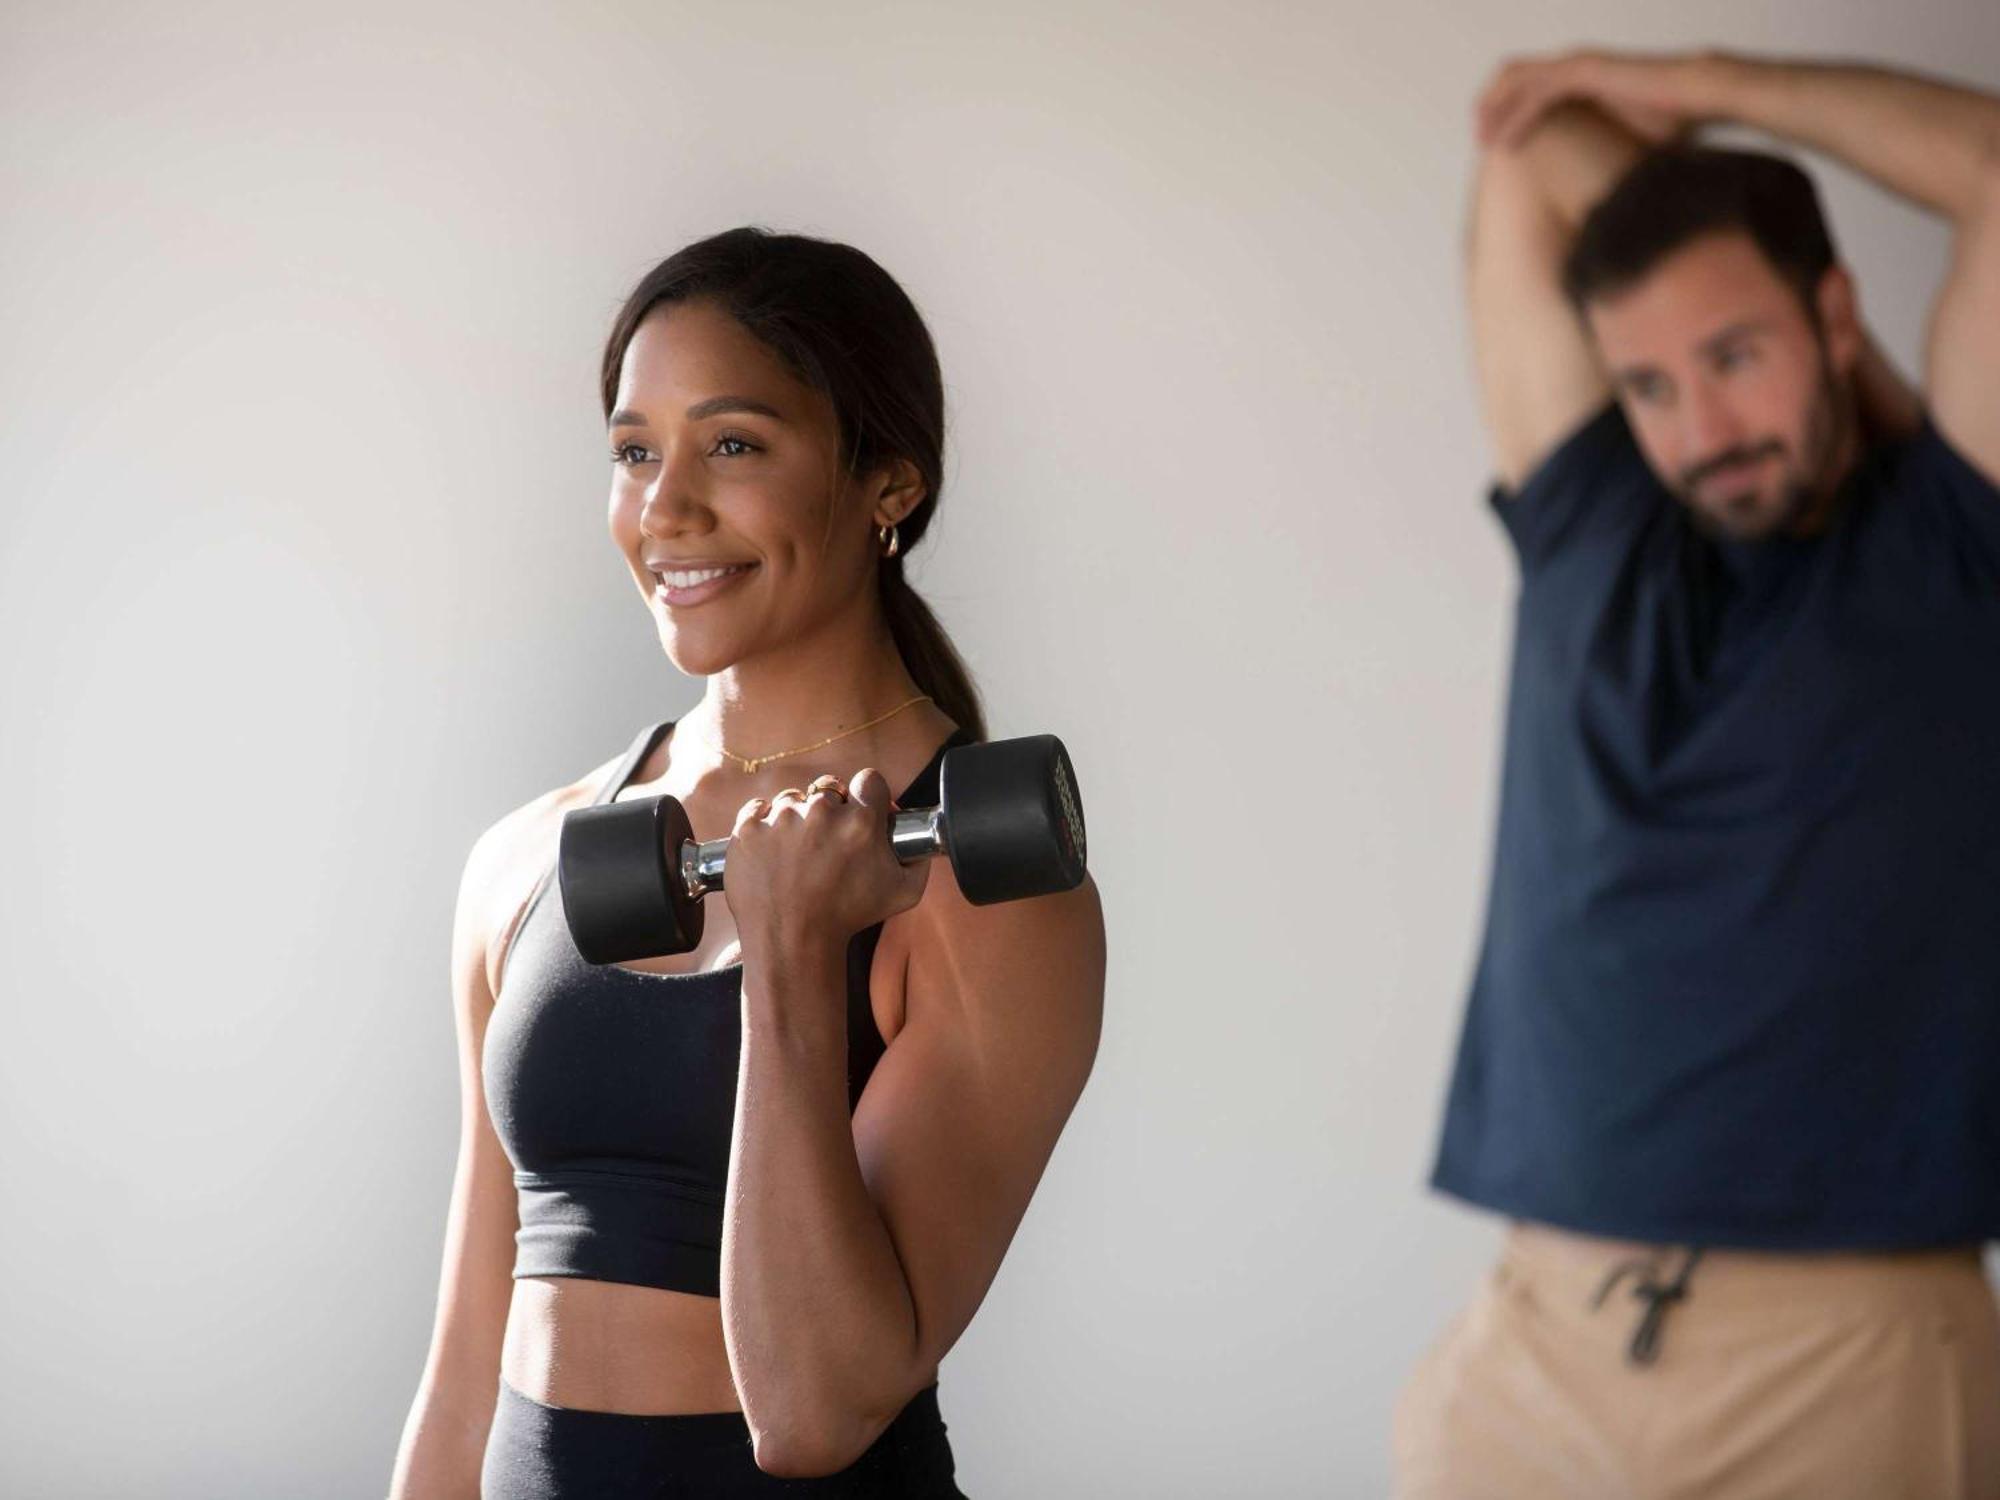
(900, 490)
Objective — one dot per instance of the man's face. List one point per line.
(1739, 399)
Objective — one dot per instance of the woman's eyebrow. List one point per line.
(714, 406)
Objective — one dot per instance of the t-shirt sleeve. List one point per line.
(1592, 487)
(1959, 505)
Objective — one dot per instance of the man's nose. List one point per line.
(1708, 427)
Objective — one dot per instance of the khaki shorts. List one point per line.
(1832, 1376)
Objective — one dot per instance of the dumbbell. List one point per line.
(1008, 818)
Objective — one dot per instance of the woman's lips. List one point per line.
(679, 588)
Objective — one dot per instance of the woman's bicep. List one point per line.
(444, 1439)
(1002, 1013)
(476, 1282)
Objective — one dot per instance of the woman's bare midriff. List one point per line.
(605, 1346)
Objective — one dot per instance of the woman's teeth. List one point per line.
(689, 578)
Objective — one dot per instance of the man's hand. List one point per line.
(1658, 98)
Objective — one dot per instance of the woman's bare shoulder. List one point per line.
(509, 859)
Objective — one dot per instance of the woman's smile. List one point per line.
(682, 586)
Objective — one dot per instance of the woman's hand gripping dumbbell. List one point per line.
(1008, 818)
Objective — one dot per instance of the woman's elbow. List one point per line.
(812, 1443)
(809, 1452)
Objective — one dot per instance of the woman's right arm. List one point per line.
(444, 1438)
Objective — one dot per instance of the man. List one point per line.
(1731, 1062)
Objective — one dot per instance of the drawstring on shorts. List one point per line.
(1657, 1295)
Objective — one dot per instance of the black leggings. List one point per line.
(537, 1452)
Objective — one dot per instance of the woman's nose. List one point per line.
(674, 502)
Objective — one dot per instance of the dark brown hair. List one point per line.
(1677, 193)
(844, 327)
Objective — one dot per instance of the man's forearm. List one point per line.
(1936, 143)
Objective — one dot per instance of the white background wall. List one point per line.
(304, 580)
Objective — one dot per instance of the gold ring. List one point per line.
(828, 785)
(790, 791)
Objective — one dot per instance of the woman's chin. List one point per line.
(696, 657)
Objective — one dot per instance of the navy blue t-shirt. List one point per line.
(1740, 982)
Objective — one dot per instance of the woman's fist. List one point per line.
(812, 866)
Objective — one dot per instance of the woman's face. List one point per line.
(728, 498)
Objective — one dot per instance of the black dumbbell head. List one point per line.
(621, 894)
(1013, 819)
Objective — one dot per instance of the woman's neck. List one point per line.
(838, 678)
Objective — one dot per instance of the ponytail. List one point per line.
(928, 654)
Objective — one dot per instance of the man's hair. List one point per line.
(1676, 194)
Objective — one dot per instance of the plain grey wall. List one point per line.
(304, 581)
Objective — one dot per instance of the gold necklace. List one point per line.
(751, 763)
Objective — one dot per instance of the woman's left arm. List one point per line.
(856, 1248)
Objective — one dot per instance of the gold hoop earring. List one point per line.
(890, 539)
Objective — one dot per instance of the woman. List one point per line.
(760, 1187)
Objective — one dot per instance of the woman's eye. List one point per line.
(1734, 357)
(725, 447)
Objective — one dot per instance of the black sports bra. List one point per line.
(614, 1091)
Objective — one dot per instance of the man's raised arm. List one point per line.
(1538, 376)
(1935, 143)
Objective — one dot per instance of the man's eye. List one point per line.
(618, 454)
(1734, 357)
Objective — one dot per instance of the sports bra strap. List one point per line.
(635, 757)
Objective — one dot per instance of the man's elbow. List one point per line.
(1502, 171)
(1509, 204)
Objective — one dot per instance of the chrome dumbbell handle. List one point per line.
(914, 833)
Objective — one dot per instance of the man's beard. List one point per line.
(1808, 484)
